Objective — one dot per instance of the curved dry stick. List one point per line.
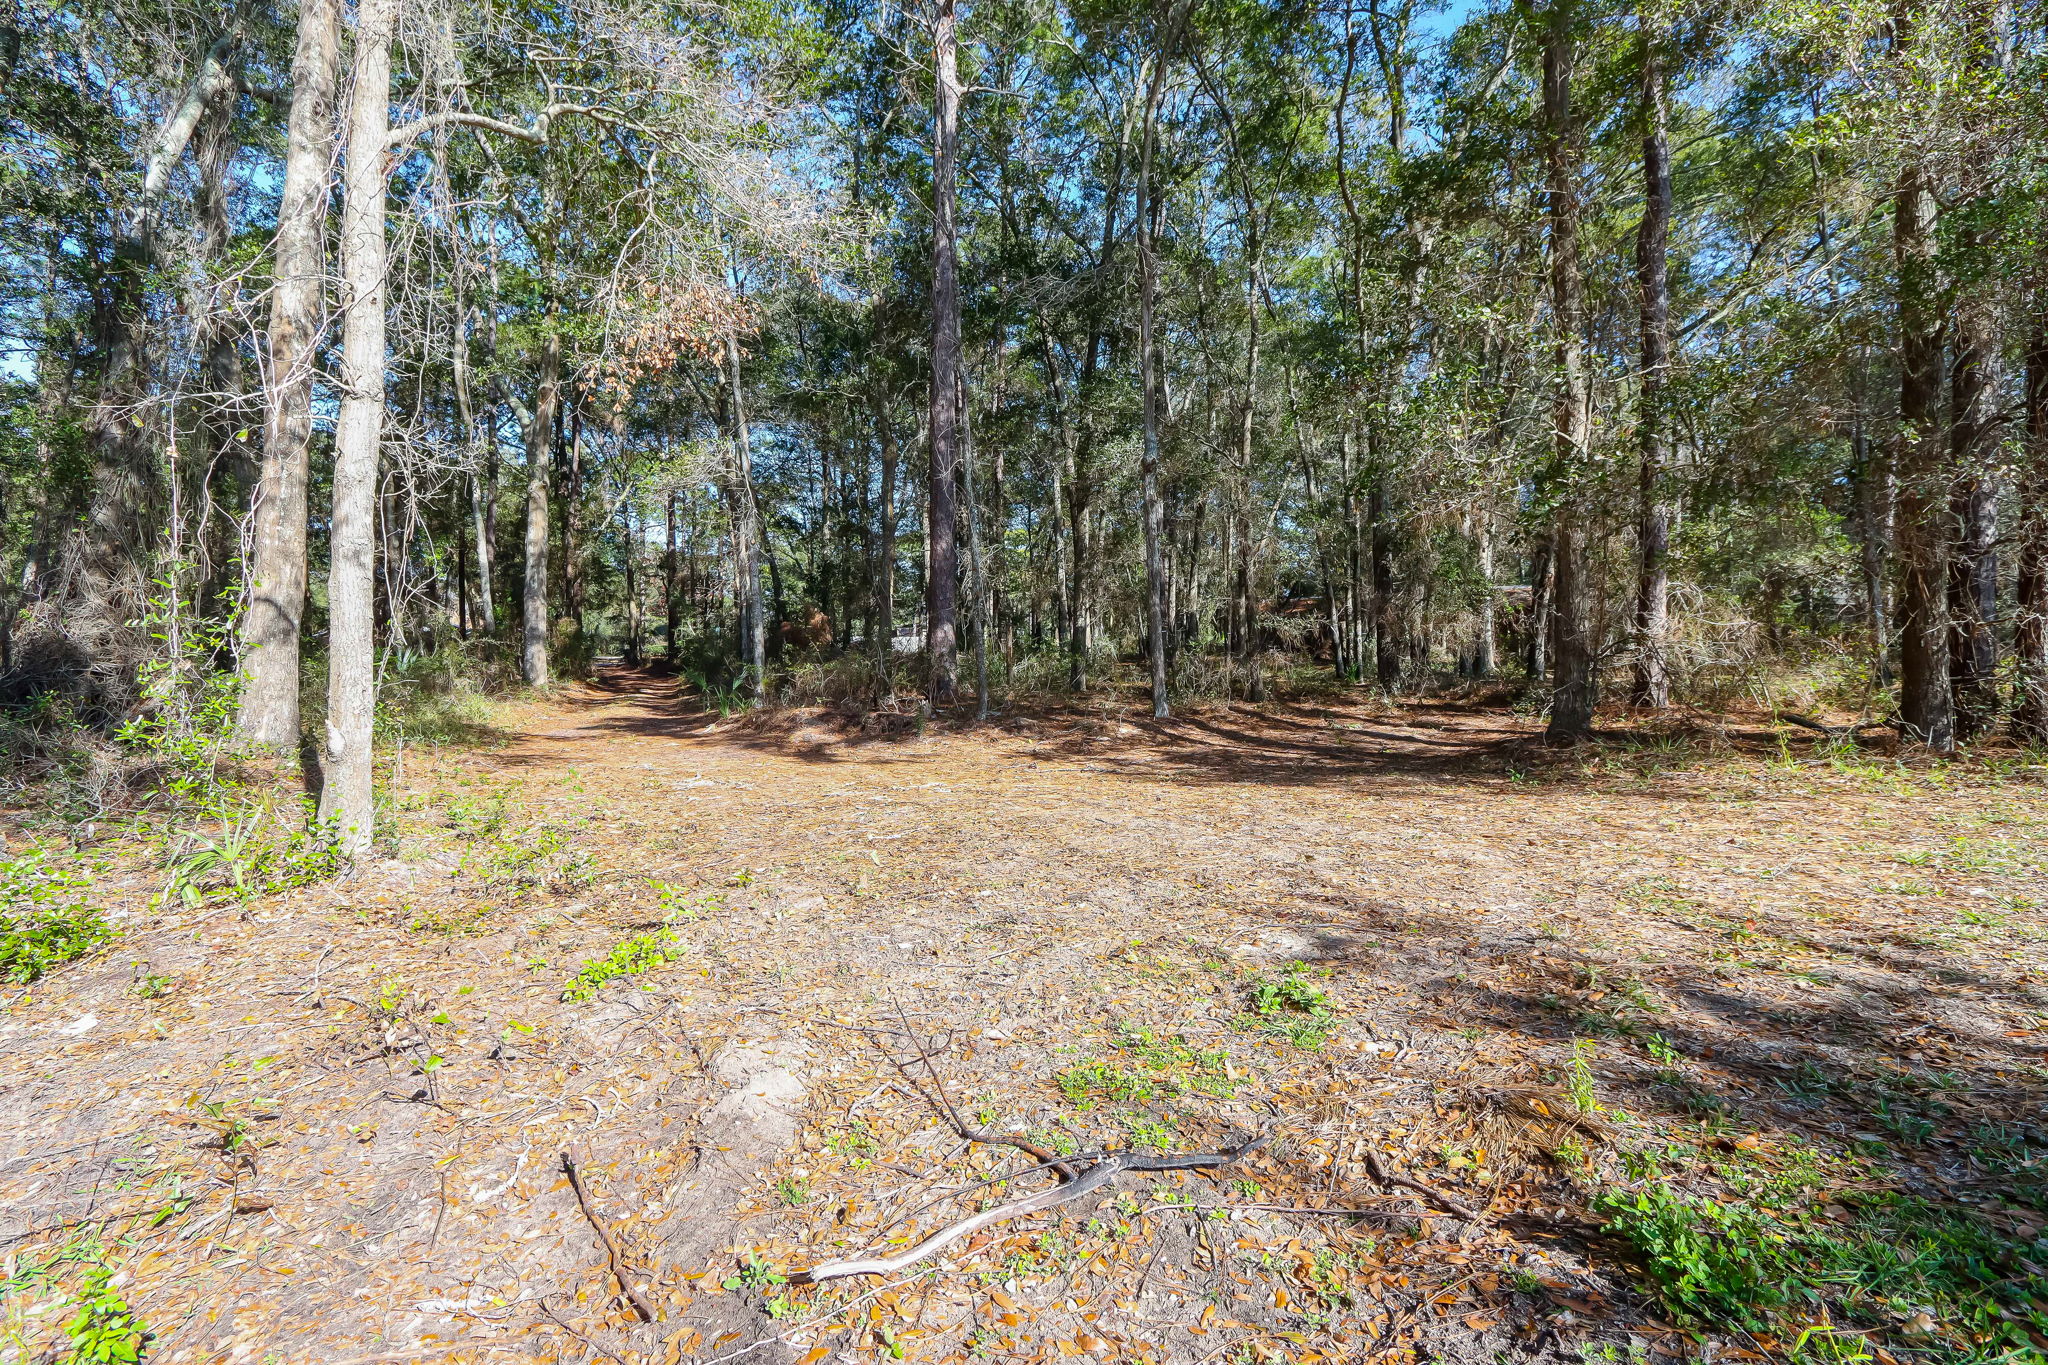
(1090, 1180)
(1094, 1179)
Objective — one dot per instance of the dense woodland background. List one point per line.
(1670, 352)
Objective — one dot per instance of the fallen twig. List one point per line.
(563, 1323)
(945, 1106)
(604, 1234)
(1432, 1194)
(1087, 1182)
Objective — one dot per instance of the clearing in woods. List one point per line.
(1701, 1043)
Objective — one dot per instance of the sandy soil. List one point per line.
(1423, 957)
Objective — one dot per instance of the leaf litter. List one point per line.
(1507, 1017)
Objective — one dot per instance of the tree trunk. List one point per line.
(483, 463)
(224, 473)
(1926, 706)
(1151, 366)
(1873, 482)
(672, 606)
(1483, 664)
(631, 556)
(1572, 646)
(1651, 687)
(977, 583)
(885, 543)
(574, 592)
(1539, 609)
(107, 565)
(1386, 608)
(539, 433)
(1076, 567)
(941, 640)
(1973, 506)
(2030, 637)
(747, 530)
(276, 605)
(346, 804)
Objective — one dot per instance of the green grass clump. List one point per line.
(1289, 1007)
(641, 953)
(1937, 1279)
(1164, 1067)
(44, 919)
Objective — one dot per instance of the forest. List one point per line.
(1403, 641)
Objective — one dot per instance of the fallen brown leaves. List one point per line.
(1090, 897)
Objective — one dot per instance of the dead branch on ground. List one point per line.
(1833, 732)
(1087, 1182)
(604, 1234)
(945, 1106)
(1429, 1192)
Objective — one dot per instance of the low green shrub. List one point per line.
(1769, 1255)
(45, 920)
(641, 953)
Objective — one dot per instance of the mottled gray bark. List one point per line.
(274, 611)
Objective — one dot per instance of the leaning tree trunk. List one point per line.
(1651, 687)
(1926, 706)
(345, 795)
(277, 554)
(1571, 638)
(105, 567)
(2030, 636)
(941, 632)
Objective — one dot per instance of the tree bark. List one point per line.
(1973, 508)
(1926, 705)
(276, 605)
(977, 582)
(630, 555)
(1386, 609)
(747, 530)
(2030, 636)
(574, 592)
(1151, 364)
(672, 606)
(885, 541)
(941, 636)
(539, 433)
(346, 804)
(1572, 647)
(1873, 482)
(1651, 687)
(1483, 664)
(1539, 608)
(106, 563)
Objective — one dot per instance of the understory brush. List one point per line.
(45, 1316)
(1803, 1242)
(632, 957)
(45, 919)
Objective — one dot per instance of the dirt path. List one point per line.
(1397, 938)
